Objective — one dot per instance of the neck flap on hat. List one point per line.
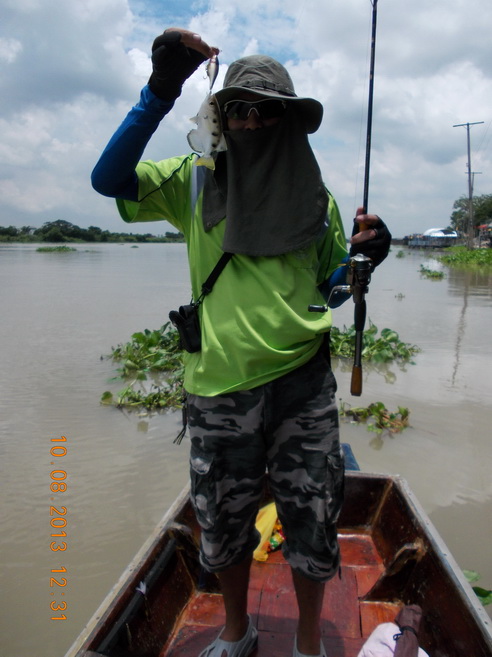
(268, 187)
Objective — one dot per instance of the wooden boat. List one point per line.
(164, 605)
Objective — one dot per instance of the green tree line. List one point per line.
(482, 212)
(61, 231)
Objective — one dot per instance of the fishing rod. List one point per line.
(360, 266)
(370, 103)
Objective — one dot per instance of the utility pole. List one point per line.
(469, 227)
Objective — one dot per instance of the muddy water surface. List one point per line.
(61, 312)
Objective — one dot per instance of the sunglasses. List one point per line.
(266, 108)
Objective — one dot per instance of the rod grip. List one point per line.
(356, 381)
(362, 225)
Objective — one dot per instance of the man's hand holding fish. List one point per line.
(176, 54)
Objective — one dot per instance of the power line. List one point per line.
(483, 143)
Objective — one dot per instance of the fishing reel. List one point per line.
(359, 272)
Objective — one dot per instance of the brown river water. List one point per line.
(59, 313)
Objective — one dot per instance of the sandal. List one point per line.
(296, 653)
(242, 648)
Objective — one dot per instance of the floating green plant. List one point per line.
(55, 249)
(381, 348)
(484, 595)
(431, 273)
(376, 416)
(151, 364)
(149, 354)
(149, 351)
(164, 397)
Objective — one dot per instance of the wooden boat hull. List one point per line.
(391, 556)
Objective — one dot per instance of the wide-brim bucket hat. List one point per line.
(265, 77)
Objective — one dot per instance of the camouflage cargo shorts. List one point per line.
(287, 430)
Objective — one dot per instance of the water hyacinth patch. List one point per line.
(484, 595)
(381, 348)
(460, 256)
(151, 363)
(431, 273)
(55, 249)
(377, 417)
(149, 354)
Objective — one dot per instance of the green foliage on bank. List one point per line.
(61, 231)
(151, 364)
(482, 212)
(460, 256)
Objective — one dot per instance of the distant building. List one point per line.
(440, 232)
(434, 238)
(485, 235)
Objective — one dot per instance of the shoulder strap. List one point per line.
(214, 275)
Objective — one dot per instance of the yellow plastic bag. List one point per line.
(265, 523)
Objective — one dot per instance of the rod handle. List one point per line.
(363, 226)
(356, 381)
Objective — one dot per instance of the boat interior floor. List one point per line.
(347, 620)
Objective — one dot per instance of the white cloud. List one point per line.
(67, 83)
(251, 48)
(9, 50)
(142, 65)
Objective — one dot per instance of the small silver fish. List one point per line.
(207, 137)
(212, 70)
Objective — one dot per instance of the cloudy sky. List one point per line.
(71, 69)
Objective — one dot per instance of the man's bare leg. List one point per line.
(234, 582)
(310, 601)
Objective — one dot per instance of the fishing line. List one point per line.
(300, 13)
(483, 144)
(362, 123)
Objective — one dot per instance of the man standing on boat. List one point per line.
(260, 391)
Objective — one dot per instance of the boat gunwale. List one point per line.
(114, 602)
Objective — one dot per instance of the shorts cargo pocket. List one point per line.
(203, 488)
(335, 485)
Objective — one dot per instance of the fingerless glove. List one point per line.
(172, 64)
(377, 248)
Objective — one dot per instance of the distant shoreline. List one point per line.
(64, 232)
(132, 239)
